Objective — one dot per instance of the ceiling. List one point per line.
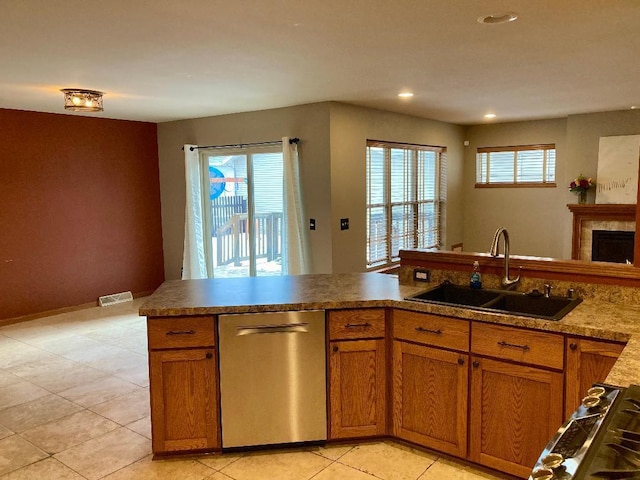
(165, 60)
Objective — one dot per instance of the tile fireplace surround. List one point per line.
(594, 216)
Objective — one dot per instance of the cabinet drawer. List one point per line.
(430, 329)
(526, 346)
(356, 323)
(180, 332)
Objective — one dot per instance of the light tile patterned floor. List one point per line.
(74, 404)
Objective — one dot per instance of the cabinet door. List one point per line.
(357, 389)
(430, 389)
(588, 361)
(515, 411)
(184, 412)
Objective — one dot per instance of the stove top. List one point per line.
(618, 451)
(601, 439)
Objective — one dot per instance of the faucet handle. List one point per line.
(570, 293)
(547, 290)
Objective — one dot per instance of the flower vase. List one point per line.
(582, 197)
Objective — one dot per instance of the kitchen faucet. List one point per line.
(493, 251)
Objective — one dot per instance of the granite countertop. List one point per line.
(590, 318)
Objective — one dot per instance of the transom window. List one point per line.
(520, 166)
(405, 199)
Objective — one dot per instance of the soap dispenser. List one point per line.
(475, 280)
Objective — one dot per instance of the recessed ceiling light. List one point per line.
(635, 107)
(496, 18)
(405, 94)
(490, 116)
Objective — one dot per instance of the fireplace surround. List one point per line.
(598, 217)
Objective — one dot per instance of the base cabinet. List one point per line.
(430, 387)
(184, 404)
(515, 410)
(588, 361)
(357, 389)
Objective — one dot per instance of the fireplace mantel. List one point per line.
(605, 212)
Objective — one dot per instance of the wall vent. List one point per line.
(107, 300)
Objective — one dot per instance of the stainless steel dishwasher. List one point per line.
(272, 378)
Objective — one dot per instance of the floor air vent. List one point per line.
(107, 300)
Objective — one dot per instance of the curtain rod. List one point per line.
(242, 145)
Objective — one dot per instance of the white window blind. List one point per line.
(527, 166)
(405, 199)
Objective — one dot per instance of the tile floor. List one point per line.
(74, 404)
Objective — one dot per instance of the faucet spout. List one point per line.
(494, 252)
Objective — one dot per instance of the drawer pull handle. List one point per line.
(209, 355)
(181, 332)
(426, 330)
(513, 345)
(356, 325)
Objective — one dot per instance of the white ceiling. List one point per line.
(160, 60)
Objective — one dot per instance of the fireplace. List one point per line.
(594, 216)
(612, 246)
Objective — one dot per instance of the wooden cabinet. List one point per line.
(183, 385)
(430, 381)
(357, 373)
(514, 408)
(588, 361)
(430, 388)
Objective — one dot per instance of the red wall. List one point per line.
(79, 210)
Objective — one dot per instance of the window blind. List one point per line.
(527, 165)
(405, 199)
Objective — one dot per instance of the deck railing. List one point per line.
(233, 238)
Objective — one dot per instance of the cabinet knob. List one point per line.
(476, 364)
(460, 361)
(209, 355)
(335, 348)
(573, 346)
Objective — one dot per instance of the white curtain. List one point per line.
(194, 264)
(296, 245)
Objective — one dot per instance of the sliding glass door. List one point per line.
(244, 211)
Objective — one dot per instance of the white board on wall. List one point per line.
(617, 180)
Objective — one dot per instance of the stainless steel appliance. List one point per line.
(600, 440)
(272, 378)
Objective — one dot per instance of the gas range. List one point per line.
(601, 439)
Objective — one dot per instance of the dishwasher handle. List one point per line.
(276, 328)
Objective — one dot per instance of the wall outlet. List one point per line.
(344, 224)
(421, 275)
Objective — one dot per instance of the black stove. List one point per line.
(601, 439)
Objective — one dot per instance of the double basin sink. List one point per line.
(533, 304)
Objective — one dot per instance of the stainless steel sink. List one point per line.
(533, 304)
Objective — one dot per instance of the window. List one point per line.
(244, 211)
(406, 189)
(521, 166)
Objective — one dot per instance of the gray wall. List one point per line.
(308, 122)
(538, 220)
(332, 152)
(531, 215)
(350, 128)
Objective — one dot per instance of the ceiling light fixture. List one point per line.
(497, 18)
(80, 100)
(490, 116)
(405, 95)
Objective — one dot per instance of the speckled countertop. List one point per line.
(592, 318)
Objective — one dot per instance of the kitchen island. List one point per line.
(448, 345)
